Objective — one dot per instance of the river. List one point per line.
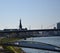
(50, 40)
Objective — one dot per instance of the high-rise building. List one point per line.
(58, 25)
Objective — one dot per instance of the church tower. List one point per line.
(20, 25)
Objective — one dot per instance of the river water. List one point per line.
(50, 40)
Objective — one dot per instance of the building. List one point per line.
(20, 25)
(15, 34)
(58, 27)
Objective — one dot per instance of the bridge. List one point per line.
(29, 33)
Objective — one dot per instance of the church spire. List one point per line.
(20, 26)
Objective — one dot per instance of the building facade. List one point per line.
(58, 27)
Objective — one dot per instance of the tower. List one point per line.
(20, 25)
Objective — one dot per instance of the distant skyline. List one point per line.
(35, 14)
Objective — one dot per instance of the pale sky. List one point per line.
(35, 14)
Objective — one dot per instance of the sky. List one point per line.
(35, 14)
